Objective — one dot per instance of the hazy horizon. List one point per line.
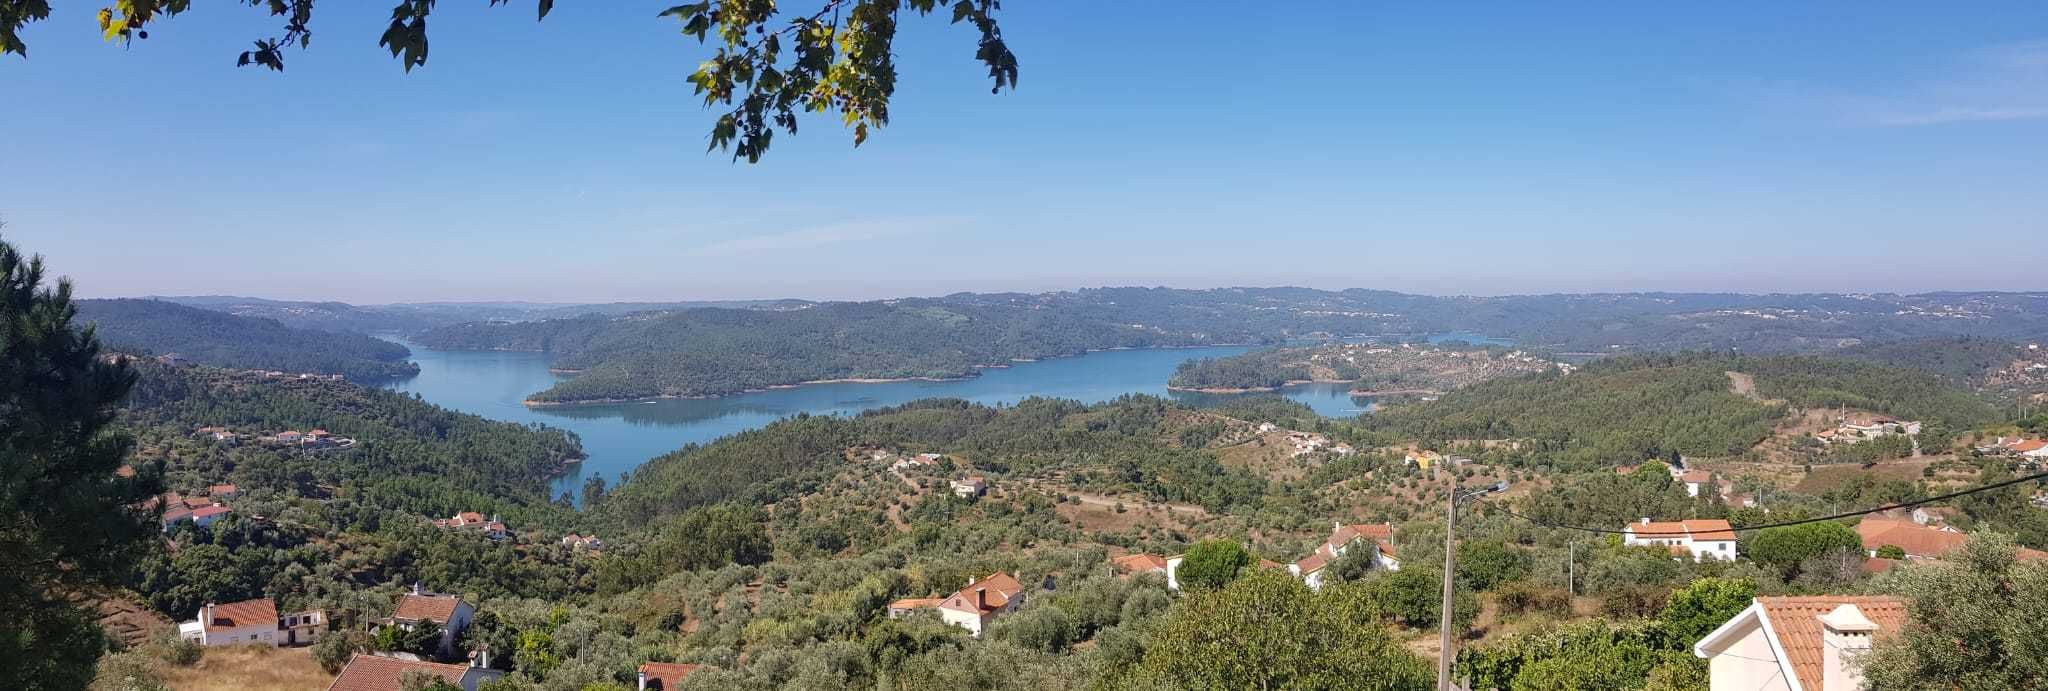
(1833, 148)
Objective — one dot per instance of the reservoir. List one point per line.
(620, 436)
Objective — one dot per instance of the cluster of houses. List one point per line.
(2016, 446)
(201, 511)
(1851, 432)
(314, 440)
(1696, 481)
(1698, 539)
(582, 542)
(972, 607)
(471, 521)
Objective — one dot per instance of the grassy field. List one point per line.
(250, 669)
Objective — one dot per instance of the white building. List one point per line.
(1700, 538)
(1806, 643)
(236, 623)
(970, 487)
(448, 611)
(1344, 538)
(974, 606)
(1695, 480)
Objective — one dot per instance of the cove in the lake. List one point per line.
(618, 437)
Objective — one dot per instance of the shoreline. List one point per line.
(535, 403)
(1261, 389)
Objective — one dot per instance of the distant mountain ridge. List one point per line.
(713, 351)
(157, 327)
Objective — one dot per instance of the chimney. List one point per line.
(981, 598)
(1646, 520)
(1845, 637)
(416, 590)
(643, 679)
(1336, 526)
(206, 616)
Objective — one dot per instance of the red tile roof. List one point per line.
(916, 603)
(1796, 621)
(1918, 540)
(205, 511)
(1139, 563)
(235, 615)
(373, 673)
(437, 608)
(217, 490)
(669, 674)
(2028, 445)
(1695, 528)
(985, 595)
(1696, 477)
(1312, 563)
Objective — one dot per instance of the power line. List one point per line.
(1803, 521)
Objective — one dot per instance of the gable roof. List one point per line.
(1696, 476)
(916, 603)
(374, 673)
(436, 608)
(998, 588)
(1795, 623)
(1693, 528)
(1139, 563)
(669, 674)
(1918, 540)
(235, 615)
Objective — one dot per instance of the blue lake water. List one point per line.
(620, 436)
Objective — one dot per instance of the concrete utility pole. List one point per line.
(1446, 651)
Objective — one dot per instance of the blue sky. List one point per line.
(1478, 150)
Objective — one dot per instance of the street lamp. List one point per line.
(1444, 648)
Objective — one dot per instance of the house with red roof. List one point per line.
(1697, 538)
(1808, 643)
(974, 606)
(1377, 537)
(664, 676)
(1694, 480)
(447, 611)
(378, 673)
(249, 622)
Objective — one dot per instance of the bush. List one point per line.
(1212, 563)
(1519, 598)
(1891, 552)
(1633, 602)
(1703, 605)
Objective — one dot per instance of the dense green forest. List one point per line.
(156, 327)
(1628, 408)
(1369, 367)
(1266, 369)
(403, 446)
(1961, 359)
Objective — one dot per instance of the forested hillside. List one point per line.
(711, 351)
(157, 327)
(1635, 407)
(720, 351)
(1369, 367)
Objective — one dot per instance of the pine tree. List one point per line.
(69, 524)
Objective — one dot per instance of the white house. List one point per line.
(448, 611)
(1808, 643)
(970, 487)
(981, 601)
(236, 623)
(379, 673)
(1694, 480)
(1700, 538)
(1344, 538)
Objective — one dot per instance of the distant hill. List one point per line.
(157, 327)
(712, 351)
(1625, 409)
(414, 317)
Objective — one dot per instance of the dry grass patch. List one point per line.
(250, 668)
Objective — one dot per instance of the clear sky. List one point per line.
(1523, 147)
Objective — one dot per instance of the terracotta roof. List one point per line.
(205, 511)
(469, 517)
(670, 674)
(239, 614)
(999, 587)
(1696, 476)
(1312, 563)
(1270, 564)
(438, 608)
(916, 603)
(2028, 445)
(217, 490)
(1917, 540)
(1695, 528)
(1796, 621)
(373, 673)
(1139, 563)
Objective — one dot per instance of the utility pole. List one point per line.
(1444, 654)
(1571, 568)
(1446, 650)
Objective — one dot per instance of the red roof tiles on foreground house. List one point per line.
(985, 595)
(238, 614)
(373, 673)
(1796, 620)
(1139, 563)
(437, 608)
